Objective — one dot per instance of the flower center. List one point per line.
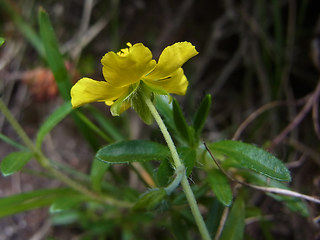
(125, 51)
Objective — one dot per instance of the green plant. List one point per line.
(221, 171)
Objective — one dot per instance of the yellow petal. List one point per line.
(128, 66)
(87, 90)
(177, 83)
(172, 58)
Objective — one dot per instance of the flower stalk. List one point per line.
(178, 164)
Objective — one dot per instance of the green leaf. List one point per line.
(53, 55)
(14, 162)
(165, 171)
(141, 108)
(57, 66)
(213, 217)
(202, 114)
(234, 226)
(31, 200)
(164, 106)
(1, 41)
(98, 170)
(253, 158)
(132, 151)
(188, 157)
(57, 116)
(180, 122)
(150, 199)
(220, 186)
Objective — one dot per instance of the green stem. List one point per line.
(45, 163)
(177, 162)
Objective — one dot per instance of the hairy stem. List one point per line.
(177, 162)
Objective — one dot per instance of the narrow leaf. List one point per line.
(98, 170)
(31, 200)
(53, 55)
(215, 211)
(56, 64)
(132, 151)
(202, 114)
(188, 156)
(14, 162)
(164, 106)
(220, 186)
(57, 116)
(234, 226)
(165, 171)
(141, 108)
(253, 158)
(180, 122)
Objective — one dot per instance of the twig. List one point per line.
(253, 116)
(298, 163)
(258, 31)
(75, 45)
(228, 69)
(86, 14)
(85, 33)
(261, 110)
(297, 120)
(264, 189)
(315, 118)
(211, 46)
(306, 150)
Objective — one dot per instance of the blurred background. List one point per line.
(259, 60)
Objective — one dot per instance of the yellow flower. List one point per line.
(133, 69)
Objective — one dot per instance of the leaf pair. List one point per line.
(176, 122)
(191, 134)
